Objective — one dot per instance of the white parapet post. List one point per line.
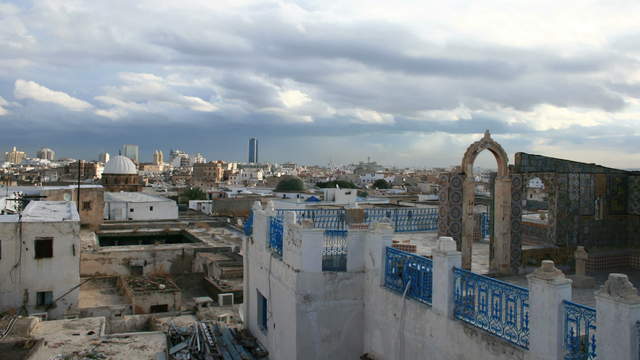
(548, 288)
(445, 257)
(617, 311)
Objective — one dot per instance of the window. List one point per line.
(159, 308)
(150, 208)
(86, 205)
(44, 248)
(44, 298)
(262, 311)
(131, 210)
(136, 270)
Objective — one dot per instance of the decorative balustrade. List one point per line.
(402, 219)
(497, 307)
(248, 225)
(334, 250)
(331, 219)
(409, 272)
(276, 234)
(405, 219)
(579, 331)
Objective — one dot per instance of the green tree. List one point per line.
(290, 184)
(191, 194)
(343, 184)
(381, 184)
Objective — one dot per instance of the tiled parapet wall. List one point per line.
(526, 163)
(612, 260)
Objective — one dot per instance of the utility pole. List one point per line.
(78, 193)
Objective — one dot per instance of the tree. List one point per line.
(192, 194)
(381, 184)
(343, 184)
(290, 184)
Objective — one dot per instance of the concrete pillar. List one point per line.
(380, 236)
(445, 257)
(580, 279)
(548, 288)
(501, 261)
(468, 203)
(617, 311)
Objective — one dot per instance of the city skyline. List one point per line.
(321, 82)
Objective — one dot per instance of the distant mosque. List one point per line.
(121, 174)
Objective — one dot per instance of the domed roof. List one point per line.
(120, 165)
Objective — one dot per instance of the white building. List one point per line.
(372, 177)
(340, 196)
(40, 259)
(341, 294)
(136, 206)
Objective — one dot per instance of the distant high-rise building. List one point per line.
(199, 159)
(158, 157)
(46, 154)
(131, 151)
(103, 157)
(253, 150)
(14, 156)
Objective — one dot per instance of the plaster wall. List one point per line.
(24, 276)
(115, 261)
(137, 211)
(342, 315)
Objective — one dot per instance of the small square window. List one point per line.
(44, 298)
(86, 205)
(44, 248)
(131, 210)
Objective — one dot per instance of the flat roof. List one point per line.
(46, 211)
(38, 189)
(133, 197)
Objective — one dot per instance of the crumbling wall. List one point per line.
(116, 261)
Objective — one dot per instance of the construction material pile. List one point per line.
(208, 340)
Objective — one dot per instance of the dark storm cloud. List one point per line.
(225, 72)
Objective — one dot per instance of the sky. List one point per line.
(406, 83)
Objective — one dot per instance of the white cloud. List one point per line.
(294, 98)
(144, 92)
(3, 103)
(367, 116)
(32, 90)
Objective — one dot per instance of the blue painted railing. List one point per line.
(334, 250)
(331, 219)
(579, 331)
(497, 307)
(276, 234)
(402, 219)
(410, 272)
(405, 219)
(248, 224)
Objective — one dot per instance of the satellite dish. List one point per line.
(67, 197)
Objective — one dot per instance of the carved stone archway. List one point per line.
(500, 262)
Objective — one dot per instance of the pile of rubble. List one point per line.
(207, 340)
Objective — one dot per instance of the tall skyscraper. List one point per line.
(14, 156)
(103, 157)
(131, 151)
(158, 157)
(46, 154)
(253, 150)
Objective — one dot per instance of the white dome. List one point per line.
(120, 165)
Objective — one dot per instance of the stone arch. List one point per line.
(486, 143)
(500, 254)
